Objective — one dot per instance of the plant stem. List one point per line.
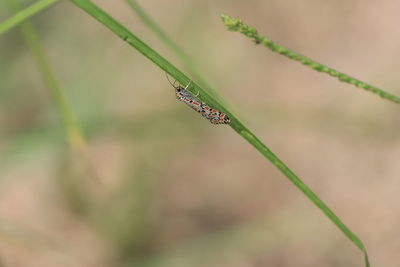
(73, 132)
(25, 14)
(163, 36)
(238, 26)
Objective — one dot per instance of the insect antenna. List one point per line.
(179, 87)
(173, 84)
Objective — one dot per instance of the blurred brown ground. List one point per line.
(175, 190)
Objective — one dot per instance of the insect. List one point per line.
(211, 114)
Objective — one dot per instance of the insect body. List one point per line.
(211, 114)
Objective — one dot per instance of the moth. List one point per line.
(211, 114)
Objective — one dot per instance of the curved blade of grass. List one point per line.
(161, 62)
(237, 25)
(25, 14)
(162, 35)
(73, 132)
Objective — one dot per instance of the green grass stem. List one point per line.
(73, 132)
(25, 14)
(243, 131)
(238, 26)
(173, 46)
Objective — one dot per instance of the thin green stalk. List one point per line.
(162, 35)
(64, 110)
(238, 26)
(166, 66)
(25, 14)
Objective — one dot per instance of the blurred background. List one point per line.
(164, 187)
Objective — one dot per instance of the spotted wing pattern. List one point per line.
(211, 114)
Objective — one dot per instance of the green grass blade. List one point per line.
(238, 26)
(162, 35)
(160, 61)
(25, 14)
(73, 132)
